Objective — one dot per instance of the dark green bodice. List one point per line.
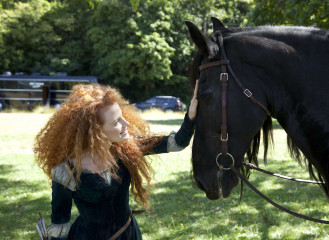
(103, 202)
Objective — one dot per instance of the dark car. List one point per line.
(165, 103)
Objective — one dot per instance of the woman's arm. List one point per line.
(63, 185)
(180, 140)
(194, 102)
(176, 141)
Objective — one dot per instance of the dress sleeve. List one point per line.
(63, 184)
(176, 141)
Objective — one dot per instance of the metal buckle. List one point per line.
(220, 167)
(224, 140)
(221, 76)
(247, 93)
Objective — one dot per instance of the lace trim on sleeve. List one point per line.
(58, 230)
(172, 145)
(62, 175)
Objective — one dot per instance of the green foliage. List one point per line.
(140, 46)
(131, 48)
(8, 4)
(134, 4)
(147, 45)
(22, 40)
(73, 50)
(290, 12)
(39, 36)
(231, 13)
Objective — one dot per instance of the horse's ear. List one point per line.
(200, 40)
(217, 25)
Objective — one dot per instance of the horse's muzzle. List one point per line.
(228, 180)
(212, 189)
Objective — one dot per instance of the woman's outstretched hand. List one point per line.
(194, 102)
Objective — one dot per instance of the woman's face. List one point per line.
(114, 125)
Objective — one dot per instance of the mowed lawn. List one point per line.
(179, 210)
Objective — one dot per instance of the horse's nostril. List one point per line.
(199, 185)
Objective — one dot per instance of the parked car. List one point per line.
(165, 103)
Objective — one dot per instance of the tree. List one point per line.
(23, 36)
(140, 46)
(72, 52)
(148, 46)
(39, 36)
(130, 51)
(290, 12)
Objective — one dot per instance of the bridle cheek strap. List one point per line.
(223, 128)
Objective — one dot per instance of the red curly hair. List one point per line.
(76, 128)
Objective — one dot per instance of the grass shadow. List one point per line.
(187, 214)
(20, 203)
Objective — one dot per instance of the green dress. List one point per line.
(102, 202)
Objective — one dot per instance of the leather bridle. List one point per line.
(224, 64)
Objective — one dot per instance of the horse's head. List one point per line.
(244, 119)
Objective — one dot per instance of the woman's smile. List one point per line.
(124, 132)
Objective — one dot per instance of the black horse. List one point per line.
(287, 70)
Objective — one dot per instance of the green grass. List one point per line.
(179, 210)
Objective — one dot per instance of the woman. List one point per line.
(93, 149)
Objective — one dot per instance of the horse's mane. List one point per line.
(268, 29)
(267, 129)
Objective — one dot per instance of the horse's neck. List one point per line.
(293, 72)
(308, 132)
(302, 108)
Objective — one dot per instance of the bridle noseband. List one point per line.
(224, 64)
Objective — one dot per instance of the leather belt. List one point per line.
(124, 227)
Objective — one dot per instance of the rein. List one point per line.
(252, 166)
(224, 64)
(243, 178)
